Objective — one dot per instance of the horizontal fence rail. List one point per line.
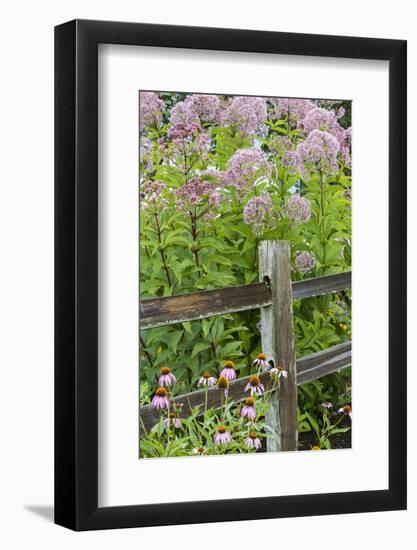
(156, 312)
(309, 368)
(321, 285)
(314, 366)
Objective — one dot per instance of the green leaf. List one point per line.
(199, 347)
(173, 338)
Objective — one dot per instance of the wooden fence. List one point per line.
(274, 295)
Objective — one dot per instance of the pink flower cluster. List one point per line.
(327, 121)
(346, 147)
(297, 209)
(151, 109)
(279, 145)
(290, 161)
(181, 113)
(247, 166)
(291, 109)
(245, 114)
(304, 262)
(184, 123)
(185, 133)
(152, 195)
(213, 175)
(259, 213)
(146, 151)
(204, 106)
(197, 192)
(317, 153)
(321, 119)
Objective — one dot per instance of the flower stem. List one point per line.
(206, 400)
(194, 234)
(145, 351)
(168, 423)
(161, 249)
(323, 235)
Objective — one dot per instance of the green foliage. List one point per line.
(206, 247)
(197, 432)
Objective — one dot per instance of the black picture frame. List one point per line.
(76, 271)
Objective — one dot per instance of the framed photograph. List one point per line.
(230, 338)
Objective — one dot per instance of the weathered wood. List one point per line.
(321, 285)
(277, 334)
(198, 305)
(156, 312)
(313, 360)
(324, 362)
(309, 368)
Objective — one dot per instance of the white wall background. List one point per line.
(26, 274)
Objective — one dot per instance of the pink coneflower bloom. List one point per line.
(207, 380)
(253, 441)
(327, 404)
(278, 371)
(160, 399)
(223, 384)
(166, 378)
(200, 451)
(346, 410)
(229, 370)
(222, 436)
(254, 385)
(261, 362)
(173, 420)
(248, 409)
(282, 372)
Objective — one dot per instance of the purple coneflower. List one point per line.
(327, 404)
(253, 441)
(199, 451)
(223, 384)
(172, 420)
(229, 370)
(346, 410)
(207, 380)
(248, 409)
(278, 372)
(166, 378)
(254, 385)
(222, 436)
(160, 399)
(282, 372)
(261, 362)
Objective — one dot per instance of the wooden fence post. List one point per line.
(277, 332)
